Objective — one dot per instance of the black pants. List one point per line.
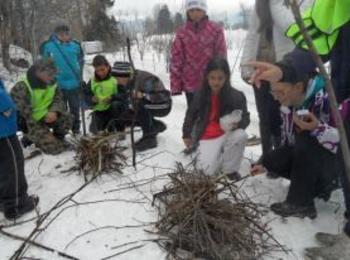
(13, 184)
(269, 118)
(119, 116)
(189, 98)
(72, 101)
(345, 183)
(108, 120)
(310, 168)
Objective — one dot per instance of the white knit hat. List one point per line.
(196, 4)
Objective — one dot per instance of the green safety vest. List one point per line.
(102, 90)
(323, 22)
(41, 99)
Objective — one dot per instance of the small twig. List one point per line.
(123, 252)
(99, 229)
(38, 245)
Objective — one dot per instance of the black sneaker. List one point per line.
(28, 205)
(286, 209)
(160, 127)
(326, 192)
(26, 142)
(146, 143)
(234, 176)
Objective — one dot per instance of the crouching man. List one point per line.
(41, 108)
(143, 95)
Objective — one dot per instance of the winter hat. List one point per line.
(122, 69)
(196, 4)
(45, 65)
(62, 28)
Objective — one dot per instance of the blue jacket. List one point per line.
(62, 53)
(300, 62)
(8, 122)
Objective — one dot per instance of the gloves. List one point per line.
(230, 121)
(335, 247)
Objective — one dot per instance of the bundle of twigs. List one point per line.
(100, 154)
(211, 218)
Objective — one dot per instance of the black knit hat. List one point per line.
(122, 69)
(62, 28)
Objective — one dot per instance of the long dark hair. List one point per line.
(217, 63)
(263, 11)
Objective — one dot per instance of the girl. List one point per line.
(219, 116)
(195, 44)
(309, 145)
(101, 93)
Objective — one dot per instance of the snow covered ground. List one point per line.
(117, 208)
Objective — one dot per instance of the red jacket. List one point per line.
(194, 46)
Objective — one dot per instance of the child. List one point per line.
(219, 116)
(309, 145)
(101, 93)
(14, 200)
(195, 44)
(41, 108)
(142, 93)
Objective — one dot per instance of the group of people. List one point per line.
(300, 141)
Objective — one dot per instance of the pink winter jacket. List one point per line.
(194, 46)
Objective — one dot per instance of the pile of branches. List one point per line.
(100, 154)
(211, 218)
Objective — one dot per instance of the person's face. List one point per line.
(216, 80)
(287, 94)
(64, 36)
(196, 15)
(123, 80)
(102, 71)
(45, 76)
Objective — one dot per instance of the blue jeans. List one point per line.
(72, 101)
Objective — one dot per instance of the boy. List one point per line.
(144, 94)
(14, 200)
(40, 105)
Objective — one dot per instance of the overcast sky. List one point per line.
(144, 7)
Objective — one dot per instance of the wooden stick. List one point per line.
(37, 245)
(329, 86)
(135, 107)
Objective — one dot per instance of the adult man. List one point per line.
(69, 60)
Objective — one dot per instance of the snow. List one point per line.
(123, 216)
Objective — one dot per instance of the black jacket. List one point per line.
(197, 115)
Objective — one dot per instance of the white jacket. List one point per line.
(282, 19)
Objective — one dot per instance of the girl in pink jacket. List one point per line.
(195, 44)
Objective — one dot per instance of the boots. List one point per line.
(145, 143)
(335, 247)
(24, 207)
(286, 209)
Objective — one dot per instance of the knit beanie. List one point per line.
(196, 4)
(46, 65)
(62, 28)
(122, 69)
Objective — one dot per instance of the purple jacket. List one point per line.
(194, 46)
